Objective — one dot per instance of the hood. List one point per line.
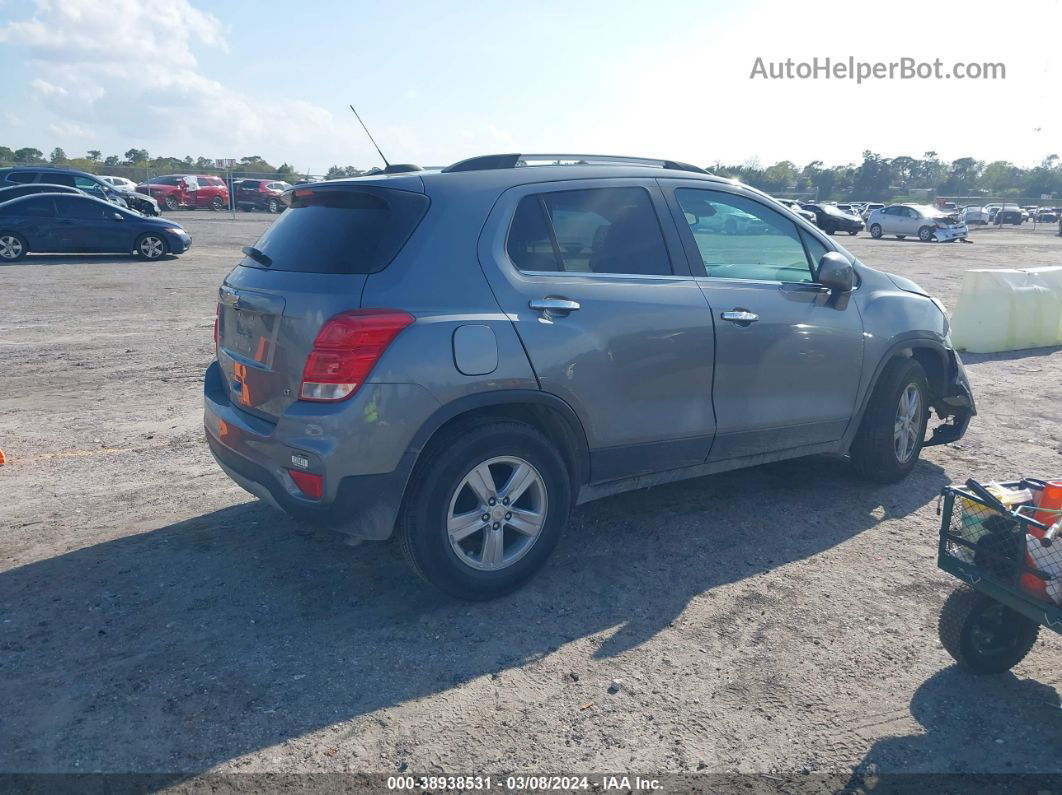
(907, 285)
(136, 195)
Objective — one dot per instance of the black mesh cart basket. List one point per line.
(1012, 579)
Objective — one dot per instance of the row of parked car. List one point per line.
(900, 220)
(60, 211)
(206, 191)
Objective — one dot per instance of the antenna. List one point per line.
(370, 137)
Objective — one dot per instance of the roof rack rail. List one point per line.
(492, 162)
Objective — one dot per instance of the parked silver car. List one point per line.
(923, 221)
(459, 356)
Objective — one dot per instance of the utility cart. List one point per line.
(1011, 578)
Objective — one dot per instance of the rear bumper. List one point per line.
(257, 455)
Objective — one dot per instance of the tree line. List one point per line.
(880, 178)
(877, 178)
(94, 161)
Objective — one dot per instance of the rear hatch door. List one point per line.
(310, 265)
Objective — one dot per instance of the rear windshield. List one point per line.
(340, 230)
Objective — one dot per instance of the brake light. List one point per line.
(346, 349)
(309, 484)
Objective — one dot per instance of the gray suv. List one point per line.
(457, 357)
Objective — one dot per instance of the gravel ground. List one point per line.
(155, 618)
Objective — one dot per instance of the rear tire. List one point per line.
(982, 635)
(273, 206)
(875, 231)
(451, 553)
(217, 204)
(13, 247)
(893, 429)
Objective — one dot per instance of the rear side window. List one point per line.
(35, 208)
(21, 177)
(601, 230)
(83, 208)
(341, 231)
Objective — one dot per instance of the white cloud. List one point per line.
(46, 88)
(96, 76)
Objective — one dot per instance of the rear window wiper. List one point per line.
(257, 255)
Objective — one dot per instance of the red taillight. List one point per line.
(345, 351)
(309, 484)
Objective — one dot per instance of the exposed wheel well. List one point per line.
(552, 423)
(935, 373)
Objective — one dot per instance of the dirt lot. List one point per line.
(154, 617)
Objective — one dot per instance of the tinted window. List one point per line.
(529, 244)
(82, 208)
(742, 239)
(602, 230)
(37, 208)
(21, 177)
(341, 231)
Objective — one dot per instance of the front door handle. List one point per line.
(553, 305)
(742, 317)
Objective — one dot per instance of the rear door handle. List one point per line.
(553, 305)
(742, 317)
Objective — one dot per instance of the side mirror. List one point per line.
(117, 216)
(836, 272)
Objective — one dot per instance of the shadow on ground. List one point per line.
(971, 726)
(86, 259)
(183, 647)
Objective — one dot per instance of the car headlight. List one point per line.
(174, 230)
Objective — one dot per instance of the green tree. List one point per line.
(112, 160)
(135, 156)
(94, 155)
(29, 155)
(6, 155)
(58, 156)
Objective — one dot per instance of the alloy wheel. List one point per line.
(908, 422)
(152, 247)
(496, 513)
(10, 247)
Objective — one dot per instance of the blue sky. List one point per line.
(441, 81)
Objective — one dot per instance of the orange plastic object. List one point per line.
(1050, 501)
(2, 459)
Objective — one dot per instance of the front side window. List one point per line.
(21, 177)
(599, 230)
(739, 238)
(89, 186)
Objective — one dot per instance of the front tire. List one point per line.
(171, 203)
(13, 247)
(151, 247)
(982, 635)
(925, 234)
(893, 429)
(505, 471)
(875, 231)
(853, 232)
